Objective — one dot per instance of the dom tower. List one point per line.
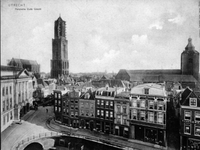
(59, 62)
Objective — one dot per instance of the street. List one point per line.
(35, 122)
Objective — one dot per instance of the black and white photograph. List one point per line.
(100, 75)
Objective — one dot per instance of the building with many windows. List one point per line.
(148, 112)
(87, 110)
(66, 107)
(189, 120)
(59, 97)
(121, 114)
(104, 99)
(16, 94)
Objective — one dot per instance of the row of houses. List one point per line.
(147, 113)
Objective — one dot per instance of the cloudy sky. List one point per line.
(103, 35)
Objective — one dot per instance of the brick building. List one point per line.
(87, 110)
(189, 120)
(104, 99)
(121, 114)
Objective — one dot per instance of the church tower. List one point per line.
(190, 60)
(59, 62)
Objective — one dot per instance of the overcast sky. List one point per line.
(102, 34)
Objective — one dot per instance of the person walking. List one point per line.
(46, 110)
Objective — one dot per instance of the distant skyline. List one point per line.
(103, 35)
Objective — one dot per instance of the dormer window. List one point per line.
(146, 91)
(193, 102)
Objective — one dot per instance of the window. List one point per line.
(72, 106)
(197, 116)
(98, 113)
(107, 116)
(187, 115)
(92, 114)
(146, 91)
(111, 104)
(10, 102)
(142, 103)
(102, 113)
(124, 109)
(193, 102)
(134, 103)
(4, 105)
(107, 104)
(63, 110)
(111, 114)
(59, 109)
(56, 102)
(151, 104)
(98, 102)
(160, 106)
(102, 102)
(7, 117)
(91, 106)
(187, 129)
(55, 108)
(118, 109)
(151, 117)
(82, 105)
(72, 114)
(87, 104)
(87, 113)
(11, 116)
(4, 119)
(76, 114)
(59, 95)
(59, 102)
(3, 91)
(118, 119)
(82, 113)
(134, 112)
(197, 131)
(124, 120)
(142, 115)
(160, 118)
(6, 90)
(7, 106)
(10, 90)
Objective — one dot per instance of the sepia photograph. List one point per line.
(100, 75)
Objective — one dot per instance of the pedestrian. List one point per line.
(47, 110)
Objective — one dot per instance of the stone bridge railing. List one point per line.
(32, 138)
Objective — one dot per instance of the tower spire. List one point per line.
(189, 46)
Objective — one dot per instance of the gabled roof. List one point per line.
(88, 95)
